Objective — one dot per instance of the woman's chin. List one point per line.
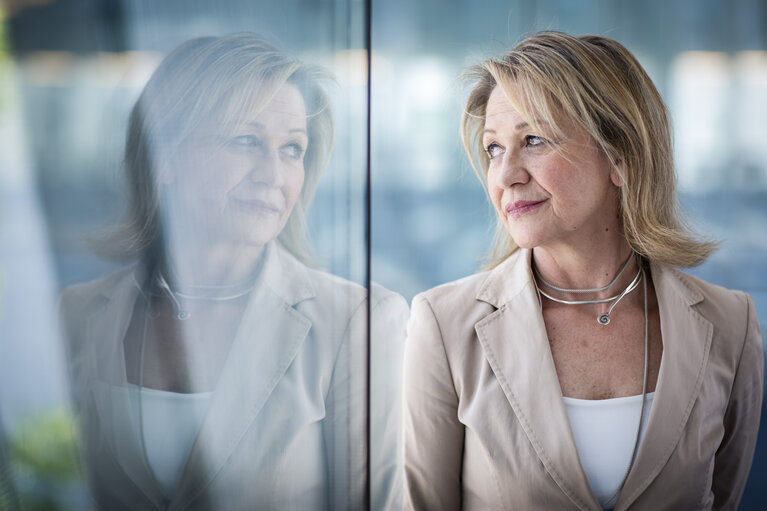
(524, 240)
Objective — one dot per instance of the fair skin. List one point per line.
(232, 188)
(226, 195)
(560, 198)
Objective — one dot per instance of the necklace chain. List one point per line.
(579, 291)
(604, 318)
(614, 496)
(181, 312)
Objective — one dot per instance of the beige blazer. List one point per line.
(286, 428)
(486, 427)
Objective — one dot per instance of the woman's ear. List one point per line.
(616, 174)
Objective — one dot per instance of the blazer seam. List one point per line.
(735, 375)
(442, 343)
(740, 355)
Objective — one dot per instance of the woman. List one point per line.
(582, 371)
(220, 372)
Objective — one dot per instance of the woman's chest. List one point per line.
(595, 361)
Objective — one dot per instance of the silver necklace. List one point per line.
(604, 318)
(614, 496)
(594, 290)
(183, 314)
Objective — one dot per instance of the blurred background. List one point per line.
(70, 71)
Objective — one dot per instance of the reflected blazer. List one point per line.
(485, 425)
(286, 426)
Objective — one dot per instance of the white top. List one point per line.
(604, 431)
(171, 422)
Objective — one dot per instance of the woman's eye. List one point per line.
(493, 150)
(294, 150)
(534, 140)
(245, 141)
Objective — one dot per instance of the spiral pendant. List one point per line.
(604, 319)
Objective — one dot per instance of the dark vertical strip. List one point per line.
(9, 498)
(368, 245)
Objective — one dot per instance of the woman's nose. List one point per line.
(513, 170)
(266, 168)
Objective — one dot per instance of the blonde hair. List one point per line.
(596, 83)
(215, 78)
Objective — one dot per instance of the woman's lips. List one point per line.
(257, 206)
(521, 207)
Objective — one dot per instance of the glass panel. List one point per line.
(191, 205)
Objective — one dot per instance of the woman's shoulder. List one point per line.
(333, 290)
(465, 288)
(84, 295)
(488, 288)
(730, 311)
(700, 291)
(455, 306)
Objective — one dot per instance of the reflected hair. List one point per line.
(215, 79)
(592, 81)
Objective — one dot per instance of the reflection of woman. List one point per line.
(220, 372)
(582, 371)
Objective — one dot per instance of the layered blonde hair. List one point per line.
(215, 79)
(597, 84)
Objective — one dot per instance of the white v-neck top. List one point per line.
(604, 431)
(170, 424)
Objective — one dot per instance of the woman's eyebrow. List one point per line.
(520, 126)
(259, 125)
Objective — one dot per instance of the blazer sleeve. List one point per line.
(388, 318)
(741, 420)
(433, 434)
(344, 423)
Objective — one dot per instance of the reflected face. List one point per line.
(238, 183)
(547, 191)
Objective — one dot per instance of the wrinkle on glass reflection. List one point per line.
(221, 369)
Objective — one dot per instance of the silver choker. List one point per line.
(604, 318)
(181, 312)
(594, 290)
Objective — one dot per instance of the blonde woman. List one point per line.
(582, 370)
(220, 371)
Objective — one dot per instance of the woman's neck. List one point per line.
(594, 267)
(211, 264)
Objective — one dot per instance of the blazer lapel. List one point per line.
(516, 346)
(268, 339)
(108, 384)
(686, 343)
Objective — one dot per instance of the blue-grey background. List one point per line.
(71, 69)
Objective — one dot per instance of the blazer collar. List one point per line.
(530, 381)
(687, 339)
(532, 388)
(287, 278)
(507, 280)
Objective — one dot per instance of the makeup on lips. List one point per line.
(521, 207)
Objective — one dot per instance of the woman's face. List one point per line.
(547, 192)
(238, 182)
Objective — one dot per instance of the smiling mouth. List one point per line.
(521, 207)
(257, 206)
